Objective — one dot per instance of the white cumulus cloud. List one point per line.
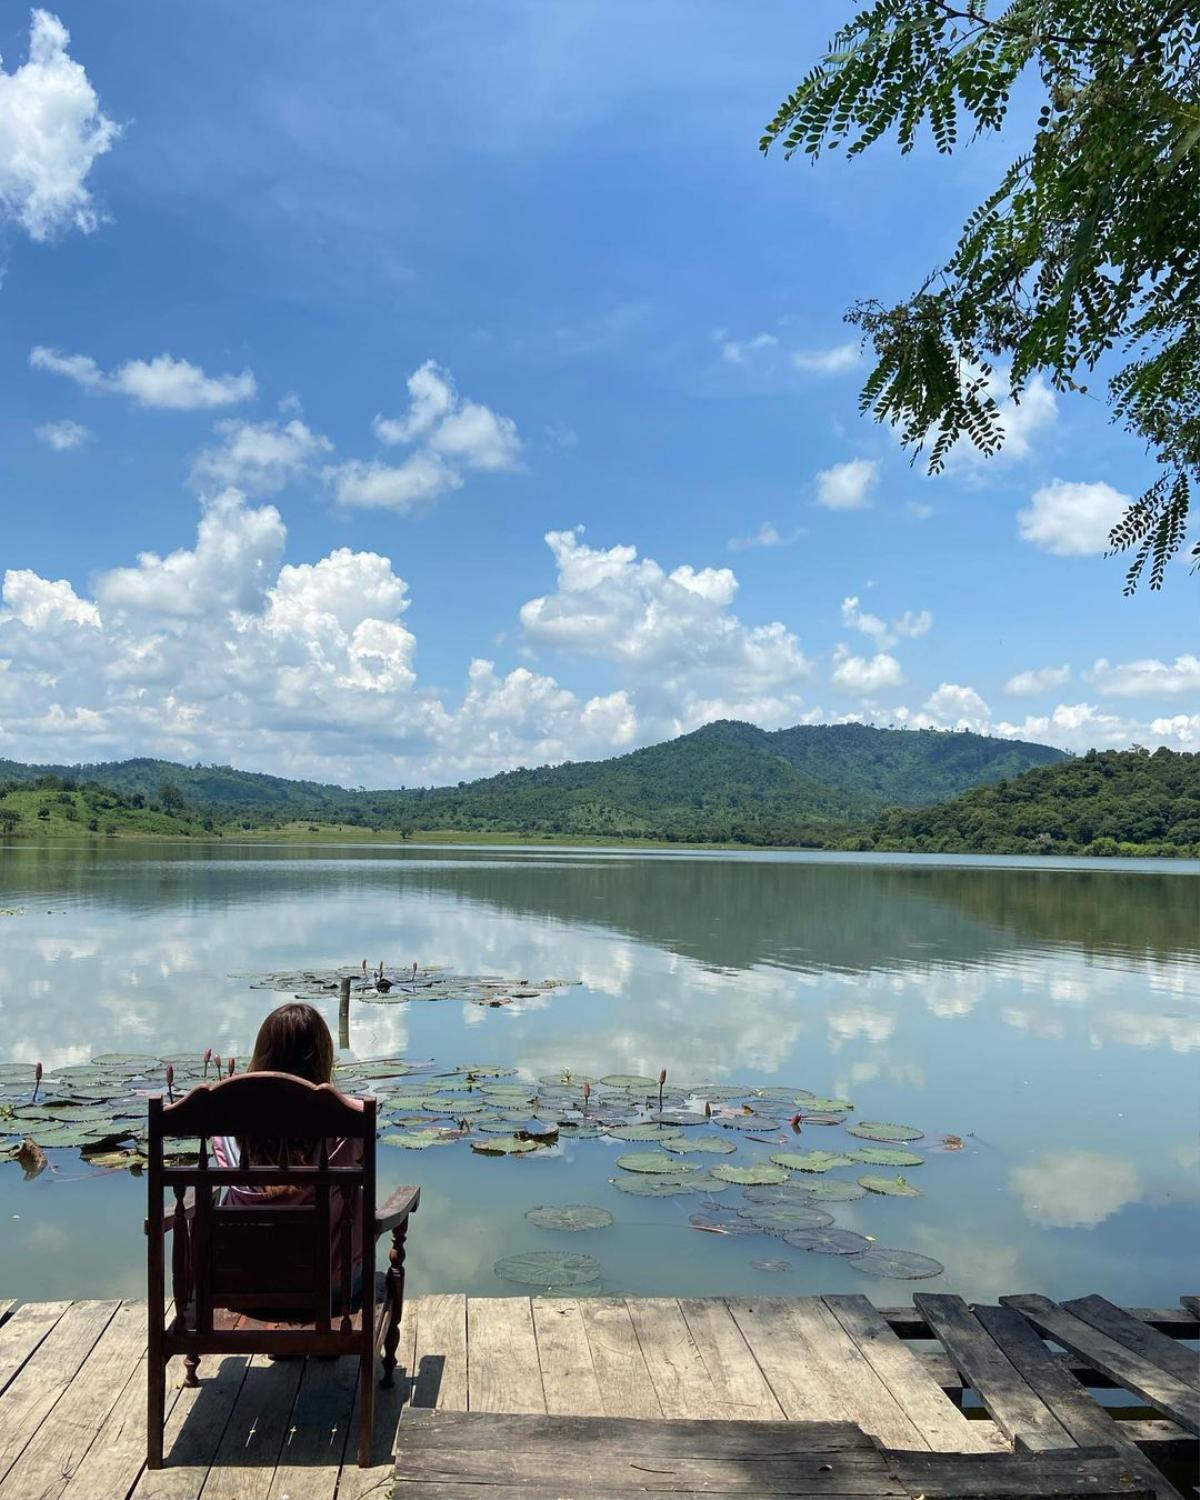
(911, 624)
(834, 361)
(258, 458)
(1072, 519)
(847, 486)
(63, 436)
(863, 676)
(447, 434)
(1147, 678)
(961, 706)
(1037, 680)
(52, 129)
(165, 382)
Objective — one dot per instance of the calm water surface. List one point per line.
(1050, 1016)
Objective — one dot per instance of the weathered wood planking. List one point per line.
(1181, 1322)
(568, 1373)
(1164, 1392)
(677, 1370)
(1013, 1405)
(1160, 1350)
(194, 1430)
(58, 1446)
(47, 1375)
(440, 1352)
(942, 1426)
(768, 1332)
(245, 1460)
(318, 1439)
(1095, 1473)
(23, 1332)
(503, 1373)
(1085, 1420)
(6, 1306)
(617, 1358)
(741, 1386)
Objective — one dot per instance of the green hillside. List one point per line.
(1105, 802)
(728, 782)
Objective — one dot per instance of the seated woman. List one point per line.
(295, 1039)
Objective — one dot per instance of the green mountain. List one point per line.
(726, 782)
(1105, 802)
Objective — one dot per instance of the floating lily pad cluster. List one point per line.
(759, 1147)
(384, 986)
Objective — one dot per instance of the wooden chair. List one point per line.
(260, 1279)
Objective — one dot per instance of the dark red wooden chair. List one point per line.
(260, 1279)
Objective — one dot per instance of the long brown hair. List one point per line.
(293, 1039)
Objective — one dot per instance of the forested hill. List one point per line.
(728, 781)
(1105, 802)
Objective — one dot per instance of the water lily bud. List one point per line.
(219, 1063)
(37, 1072)
(662, 1075)
(231, 1063)
(795, 1122)
(171, 1082)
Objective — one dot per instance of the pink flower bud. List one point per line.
(231, 1063)
(662, 1076)
(795, 1123)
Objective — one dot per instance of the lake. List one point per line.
(1047, 1016)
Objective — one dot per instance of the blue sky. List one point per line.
(380, 298)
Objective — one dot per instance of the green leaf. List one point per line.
(809, 1161)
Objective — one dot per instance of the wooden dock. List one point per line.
(72, 1392)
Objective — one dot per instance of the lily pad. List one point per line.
(548, 1268)
(899, 1265)
(653, 1161)
(131, 1161)
(887, 1156)
(504, 1145)
(782, 1218)
(645, 1132)
(828, 1241)
(877, 1130)
(785, 1095)
(714, 1145)
(720, 1222)
(629, 1081)
(818, 1106)
(570, 1216)
(745, 1122)
(829, 1190)
(651, 1185)
(417, 1140)
(809, 1161)
(761, 1172)
(680, 1117)
(892, 1187)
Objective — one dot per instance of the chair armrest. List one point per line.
(189, 1210)
(399, 1205)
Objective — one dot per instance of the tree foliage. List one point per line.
(1086, 246)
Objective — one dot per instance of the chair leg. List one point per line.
(156, 1401)
(366, 1409)
(192, 1364)
(395, 1291)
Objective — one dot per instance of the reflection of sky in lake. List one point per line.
(1050, 1016)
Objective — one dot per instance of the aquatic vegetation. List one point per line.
(572, 1217)
(548, 1268)
(418, 983)
(98, 1109)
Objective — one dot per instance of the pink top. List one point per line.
(342, 1153)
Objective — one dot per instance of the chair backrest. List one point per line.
(272, 1254)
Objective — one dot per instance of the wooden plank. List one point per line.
(677, 1370)
(1084, 1419)
(23, 1332)
(770, 1333)
(503, 1373)
(1177, 1322)
(60, 1443)
(373, 1482)
(1015, 1408)
(1160, 1350)
(111, 1466)
(625, 1385)
(741, 1387)
(440, 1351)
(245, 1460)
(1164, 1392)
(593, 1469)
(423, 1429)
(881, 1488)
(1191, 1305)
(865, 1398)
(316, 1443)
(194, 1429)
(46, 1374)
(1091, 1472)
(568, 1375)
(940, 1423)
